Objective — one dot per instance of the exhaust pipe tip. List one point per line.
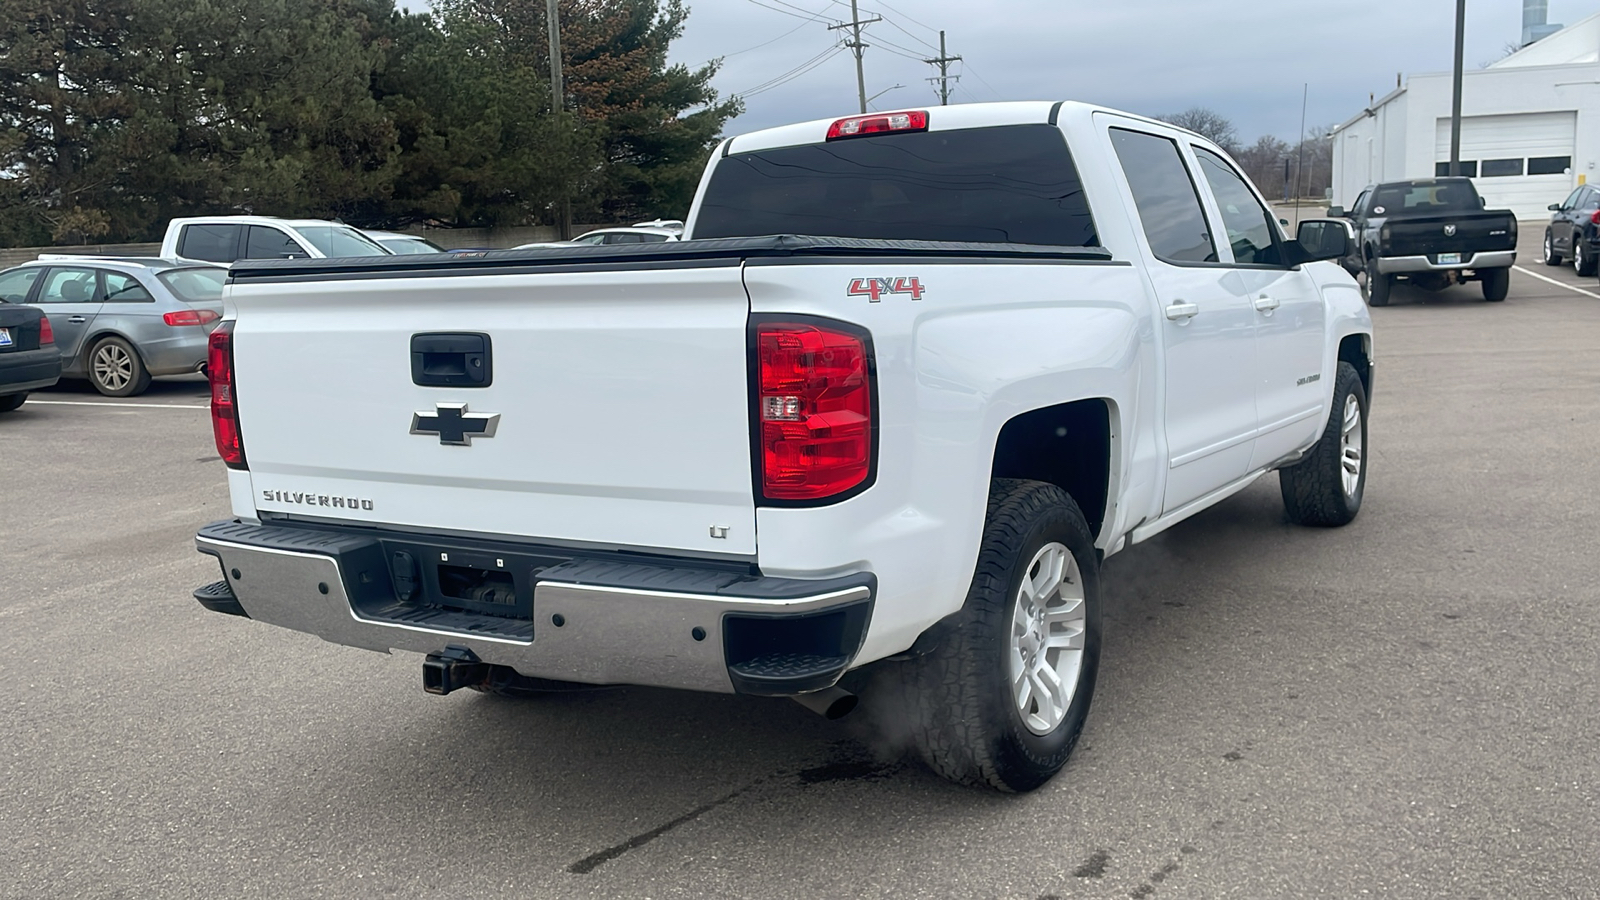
(830, 703)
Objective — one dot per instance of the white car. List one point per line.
(620, 235)
(911, 377)
(225, 239)
(402, 243)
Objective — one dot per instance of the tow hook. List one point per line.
(451, 669)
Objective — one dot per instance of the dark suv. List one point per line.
(1574, 231)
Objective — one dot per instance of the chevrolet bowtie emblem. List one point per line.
(453, 424)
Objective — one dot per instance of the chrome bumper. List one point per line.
(607, 634)
(1495, 259)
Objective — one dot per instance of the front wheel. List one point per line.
(1002, 699)
(1496, 282)
(116, 370)
(1551, 257)
(1325, 487)
(1378, 285)
(12, 401)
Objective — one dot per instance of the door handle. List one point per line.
(1180, 310)
(1266, 304)
(77, 320)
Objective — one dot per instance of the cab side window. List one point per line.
(212, 243)
(1168, 203)
(124, 288)
(1572, 199)
(270, 243)
(1249, 225)
(64, 285)
(1360, 207)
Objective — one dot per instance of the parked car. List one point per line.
(120, 321)
(223, 239)
(673, 225)
(1431, 232)
(29, 358)
(1574, 231)
(631, 234)
(896, 412)
(398, 243)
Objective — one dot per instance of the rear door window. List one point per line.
(15, 284)
(65, 285)
(265, 242)
(1009, 184)
(340, 240)
(213, 243)
(1168, 202)
(195, 285)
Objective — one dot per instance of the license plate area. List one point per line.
(5, 337)
(1449, 259)
(452, 589)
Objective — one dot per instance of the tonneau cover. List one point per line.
(725, 251)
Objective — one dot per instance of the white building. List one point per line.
(1530, 127)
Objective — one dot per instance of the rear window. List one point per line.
(1014, 184)
(194, 285)
(1444, 196)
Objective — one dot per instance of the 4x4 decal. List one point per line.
(874, 289)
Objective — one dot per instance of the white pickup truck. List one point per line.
(906, 383)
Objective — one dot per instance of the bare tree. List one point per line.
(1208, 123)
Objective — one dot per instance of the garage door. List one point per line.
(1520, 162)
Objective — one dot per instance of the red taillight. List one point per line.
(47, 335)
(1595, 217)
(814, 409)
(861, 126)
(190, 317)
(224, 408)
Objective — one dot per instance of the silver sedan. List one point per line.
(120, 321)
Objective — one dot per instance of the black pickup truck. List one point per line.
(1432, 232)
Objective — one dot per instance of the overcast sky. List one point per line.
(1246, 59)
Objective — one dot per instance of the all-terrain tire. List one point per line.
(11, 401)
(967, 725)
(1496, 283)
(1315, 490)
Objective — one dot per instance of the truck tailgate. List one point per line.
(621, 394)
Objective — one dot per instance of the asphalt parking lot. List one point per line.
(1406, 707)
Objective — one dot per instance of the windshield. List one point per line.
(197, 285)
(1444, 196)
(1015, 184)
(340, 240)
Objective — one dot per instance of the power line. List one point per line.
(808, 17)
(908, 18)
(795, 72)
(765, 43)
(966, 66)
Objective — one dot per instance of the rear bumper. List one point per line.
(1491, 259)
(28, 370)
(594, 620)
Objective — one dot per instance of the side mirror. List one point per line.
(1554, 207)
(1324, 239)
(1337, 212)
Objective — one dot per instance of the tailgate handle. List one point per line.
(452, 359)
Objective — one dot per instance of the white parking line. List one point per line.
(1557, 283)
(31, 402)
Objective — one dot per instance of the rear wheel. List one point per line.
(1583, 259)
(116, 370)
(1002, 699)
(1378, 285)
(11, 401)
(1326, 486)
(1551, 257)
(1496, 282)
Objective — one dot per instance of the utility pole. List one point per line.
(1455, 107)
(856, 45)
(944, 78)
(558, 99)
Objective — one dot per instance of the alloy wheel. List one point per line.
(1049, 623)
(1350, 446)
(113, 367)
